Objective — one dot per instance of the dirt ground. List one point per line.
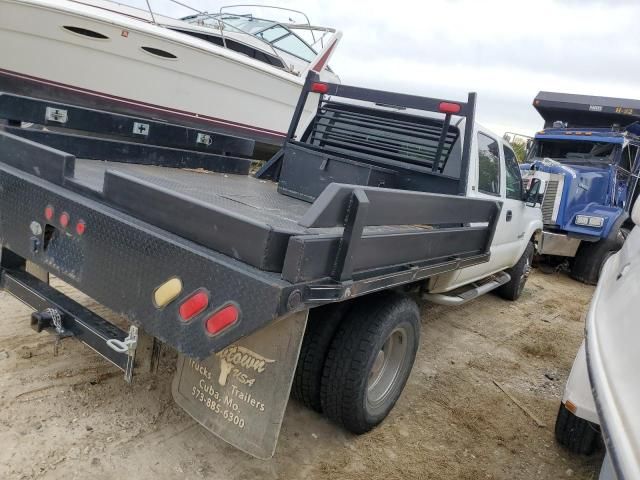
(71, 416)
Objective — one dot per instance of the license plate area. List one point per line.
(240, 393)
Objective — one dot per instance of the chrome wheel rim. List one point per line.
(525, 273)
(387, 367)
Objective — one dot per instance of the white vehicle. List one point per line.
(494, 174)
(229, 72)
(603, 391)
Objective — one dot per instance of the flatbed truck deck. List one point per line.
(225, 267)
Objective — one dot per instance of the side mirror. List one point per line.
(532, 193)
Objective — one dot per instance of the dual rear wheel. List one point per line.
(356, 358)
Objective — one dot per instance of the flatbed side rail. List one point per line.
(437, 228)
(40, 160)
(95, 134)
(18, 108)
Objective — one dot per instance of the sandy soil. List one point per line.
(71, 416)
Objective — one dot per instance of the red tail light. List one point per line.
(318, 87)
(222, 319)
(64, 219)
(81, 227)
(48, 212)
(193, 305)
(448, 107)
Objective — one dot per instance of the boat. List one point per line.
(231, 71)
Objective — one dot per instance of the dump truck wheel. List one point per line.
(591, 257)
(576, 434)
(369, 361)
(519, 274)
(321, 327)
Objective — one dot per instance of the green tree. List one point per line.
(520, 149)
(519, 143)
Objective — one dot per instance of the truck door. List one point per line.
(513, 202)
(496, 181)
(490, 184)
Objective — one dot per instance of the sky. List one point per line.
(506, 51)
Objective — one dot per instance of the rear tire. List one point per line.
(576, 434)
(369, 361)
(321, 327)
(519, 274)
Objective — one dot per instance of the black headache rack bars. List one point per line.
(352, 240)
(364, 136)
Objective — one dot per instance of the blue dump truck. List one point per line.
(587, 161)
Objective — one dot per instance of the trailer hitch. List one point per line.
(50, 318)
(63, 316)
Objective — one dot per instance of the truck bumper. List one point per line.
(557, 244)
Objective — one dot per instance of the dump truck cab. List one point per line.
(586, 158)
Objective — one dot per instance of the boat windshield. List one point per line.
(275, 34)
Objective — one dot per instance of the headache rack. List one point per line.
(375, 138)
(352, 131)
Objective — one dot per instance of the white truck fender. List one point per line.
(533, 227)
(578, 390)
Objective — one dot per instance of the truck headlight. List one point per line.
(589, 221)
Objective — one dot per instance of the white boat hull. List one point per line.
(203, 85)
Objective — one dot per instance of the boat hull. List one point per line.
(200, 87)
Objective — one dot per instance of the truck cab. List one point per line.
(586, 158)
(494, 174)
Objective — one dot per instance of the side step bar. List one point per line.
(466, 294)
(59, 314)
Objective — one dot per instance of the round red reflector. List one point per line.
(222, 319)
(64, 219)
(318, 87)
(193, 305)
(81, 227)
(448, 107)
(48, 212)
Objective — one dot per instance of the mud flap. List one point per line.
(240, 394)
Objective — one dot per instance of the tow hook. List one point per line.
(128, 346)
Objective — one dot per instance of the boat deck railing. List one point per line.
(218, 18)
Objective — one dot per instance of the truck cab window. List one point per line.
(571, 151)
(512, 170)
(488, 165)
